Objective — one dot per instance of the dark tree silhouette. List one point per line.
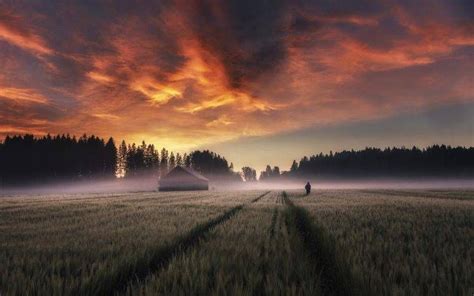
(270, 174)
(172, 162)
(187, 160)
(212, 165)
(433, 161)
(164, 162)
(122, 160)
(140, 160)
(208, 162)
(294, 167)
(151, 159)
(179, 160)
(110, 158)
(276, 172)
(249, 174)
(26, 159)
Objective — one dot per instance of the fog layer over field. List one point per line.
(151, 184)
(92, 186)
(360, 184)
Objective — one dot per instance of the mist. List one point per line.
(119, 185)
(150, 184)
(393, 183)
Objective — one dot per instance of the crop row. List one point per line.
(61, 246)
(400, 244)
(254, 253)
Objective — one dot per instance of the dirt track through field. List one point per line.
(260, 197)
(334, 271)
(116, 281)
(265, 251)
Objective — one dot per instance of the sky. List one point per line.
(257, 81)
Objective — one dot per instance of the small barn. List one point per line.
(183, 178)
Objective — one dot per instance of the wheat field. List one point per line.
(332, 242)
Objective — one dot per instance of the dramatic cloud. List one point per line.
(14, 30)
(19, 95)
(189, 73)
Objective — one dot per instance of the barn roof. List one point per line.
(189, 171)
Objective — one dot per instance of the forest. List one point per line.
(133, 160)
(29, 159)
(433, 161)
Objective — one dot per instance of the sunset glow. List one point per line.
(192, 74)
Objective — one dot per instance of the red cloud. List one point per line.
(14, 31)
(196, 72)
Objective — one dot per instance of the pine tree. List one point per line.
(187, 160)
(268, 171)
(294, 167)
(276, 172)
(172, 161)
(179, 160)
(153, 159)
(148, 157)
(164, 162)
(110, 158)
(131, 160)
(249, 174)
(122, 160)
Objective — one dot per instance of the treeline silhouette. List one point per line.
(249, 174)
(136, 160)
(26, 159)
(145, 159)
(270, 174)
(433, 161)
(29, 159)
(213, 166)
(139, 160)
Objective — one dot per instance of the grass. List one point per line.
(252, 254)
(335, 274)
(138, 267)
(238, 243)
(57, 245)
(442, 194)
(401, 244)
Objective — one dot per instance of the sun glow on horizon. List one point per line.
(192, 74)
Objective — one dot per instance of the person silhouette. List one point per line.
(308, 188)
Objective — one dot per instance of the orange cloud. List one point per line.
(221, 121)
(14, 31)
(22, 96)
(9, 129)
(106, 116)
(156, 92)
(101, 78)
(197, 72)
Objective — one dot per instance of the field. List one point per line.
(332, 242)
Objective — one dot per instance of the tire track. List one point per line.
(259, 197)
(265, 251)
(335, 274)
(153, 260)
(279, 200)
(264, 254)
(273, 225)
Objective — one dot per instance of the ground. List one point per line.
(332, 242)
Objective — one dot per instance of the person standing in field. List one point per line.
(308, 188)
